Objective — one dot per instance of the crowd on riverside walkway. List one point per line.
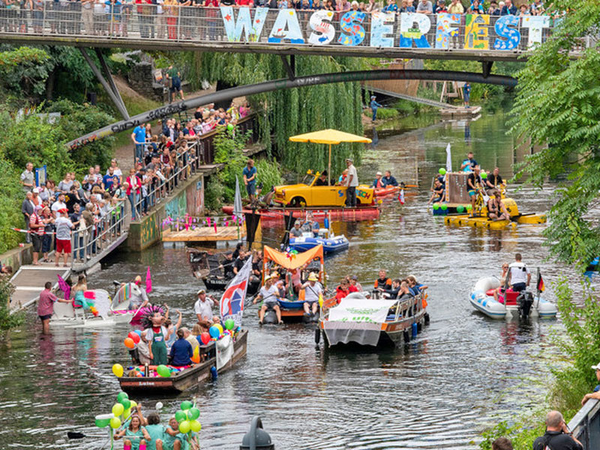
(164, 18)
(69, 214)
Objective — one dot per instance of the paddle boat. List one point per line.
(330, 242)
(509, 304)
(127, 292)
(66, 315)
(216, 357)
(310, 261)
(361, 321)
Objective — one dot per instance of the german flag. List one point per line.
(540, 284)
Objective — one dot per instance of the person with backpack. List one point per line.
(557, 436)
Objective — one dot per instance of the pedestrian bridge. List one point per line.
(475, 37)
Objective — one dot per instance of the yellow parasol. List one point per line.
(329, 137)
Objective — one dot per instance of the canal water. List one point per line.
(461, 375)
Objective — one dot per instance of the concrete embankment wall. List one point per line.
(17, 257)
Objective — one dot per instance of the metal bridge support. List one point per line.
(108, 83)
(487, 68)
(290, 67)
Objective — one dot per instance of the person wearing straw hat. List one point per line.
(269, 294)
(312, 290)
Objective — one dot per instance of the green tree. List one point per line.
(8, 321)
(558, 104)
(23, 74)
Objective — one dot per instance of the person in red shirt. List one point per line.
(342, 291)
(46, 306)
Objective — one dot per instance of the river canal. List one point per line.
(463, 373)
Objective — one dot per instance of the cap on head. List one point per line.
(312, 277)
(596, 367)
(349, 159)
(36, 191)
(201, 291)
(379, 174)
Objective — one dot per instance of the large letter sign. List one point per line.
(512, 35)
(409, 33)
(380, 32)
(251, 28)
(353, 32)
(323, 31)
(536, 25)
(476, 32)
(447, 27)
(286, 26)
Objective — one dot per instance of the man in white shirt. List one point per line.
(58, 205)
(28, 178)
(203, 307)
(269, 294)
(352, 183)
(312, 292)
(519, 276)
(425, 7)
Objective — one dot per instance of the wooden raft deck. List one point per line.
(205, 234)
(461, 111)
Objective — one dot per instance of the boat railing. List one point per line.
(586, 425)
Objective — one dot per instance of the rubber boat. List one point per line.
(510, 304)
(360, 321)
(343, 214)
(292, 309)
(65, 315)
(218, 356)
(330, 242)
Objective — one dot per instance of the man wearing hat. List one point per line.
(297, 230)
(269, 294)
(352, 183)
(378, 182)
(203, 307)
(596, 393)
(374, 106)
(312, 291)
(63, 235)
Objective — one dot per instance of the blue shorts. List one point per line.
(251, 188)
(472, 193)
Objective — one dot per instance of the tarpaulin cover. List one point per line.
(295, 261)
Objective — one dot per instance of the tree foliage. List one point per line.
(23, 72)
(558, 104)
(8, 321)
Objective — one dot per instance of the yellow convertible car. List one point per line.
(309, 194)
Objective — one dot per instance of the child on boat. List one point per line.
(174, 440)
(136, 436)
(79, 289)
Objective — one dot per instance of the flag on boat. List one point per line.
(237, 201)
(232, 301)
(63, 286)
(401, 197)
(541, 287)
(148, 281)
(448, 159)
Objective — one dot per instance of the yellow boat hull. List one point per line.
(531, 219)
(477, 222)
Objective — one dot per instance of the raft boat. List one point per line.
(65, 315)
(219, 355)
(360, 321)
(330, 242)
(344, 214)
(509, 304)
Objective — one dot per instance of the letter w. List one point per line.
(251, 28)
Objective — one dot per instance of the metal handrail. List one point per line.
(586, 423)
(173, 23)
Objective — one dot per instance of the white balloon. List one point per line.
(159, 405)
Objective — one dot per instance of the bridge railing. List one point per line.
(211, 26)
(188, 161)
(586, 425)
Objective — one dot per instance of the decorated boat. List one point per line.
(310, 261)
(216, 357)
(508, 303)
(212, 269)
(122, 300)
(361, 321)
(330, 242)
(343, 214)
(96, 312)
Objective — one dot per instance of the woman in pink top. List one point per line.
(133, 192)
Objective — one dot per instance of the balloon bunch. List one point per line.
(121, 412)
(187, 417)
(133, 339)
(217, 332)
(291, 254)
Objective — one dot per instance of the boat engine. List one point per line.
(270, 316)
(525, 302)
(257, 438)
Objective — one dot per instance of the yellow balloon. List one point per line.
(118, 409)
(118, 370)
(126, 413)
(220, 328)
(133, 404)
(115, 422)
(195, 426)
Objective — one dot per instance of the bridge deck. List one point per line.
(29, 282)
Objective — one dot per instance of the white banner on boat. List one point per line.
(224, 351)
(360, 310)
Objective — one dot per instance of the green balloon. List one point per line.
(483, 175)
(460, 208)
(194, 413)
(444, 207)
(122, 396)
(126, 403)
(230, 126)
(163, 371)
(442, 171)
(229, 324)
(436, 206)
(186, 405)
(180, 416)
(185, 427)
(469, 207)
(102, 423)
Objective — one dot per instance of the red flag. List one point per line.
(148, 281)
(540, 284)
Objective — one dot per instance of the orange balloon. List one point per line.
(129, 343)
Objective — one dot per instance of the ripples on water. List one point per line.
(459, 376)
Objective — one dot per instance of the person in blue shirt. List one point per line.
(139, 140)
(181, 351)
(375, 105)
(389, 180)
(468, 164)
(391, 7)
(467, 94)
(508, 9)
(250, 174)
(378, 183)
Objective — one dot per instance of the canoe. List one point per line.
(214, 283)
(343, 214)
(374, 326)
(384, 192)
(330, 245)
(190, 377)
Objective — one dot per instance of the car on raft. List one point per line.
(308, 194)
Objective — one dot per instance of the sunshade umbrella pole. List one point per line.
(329, 169)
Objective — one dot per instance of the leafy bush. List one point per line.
(7, 320)
(229, 148)
(385, 113)
(269, 174)
(213, 195)
(10, 206)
